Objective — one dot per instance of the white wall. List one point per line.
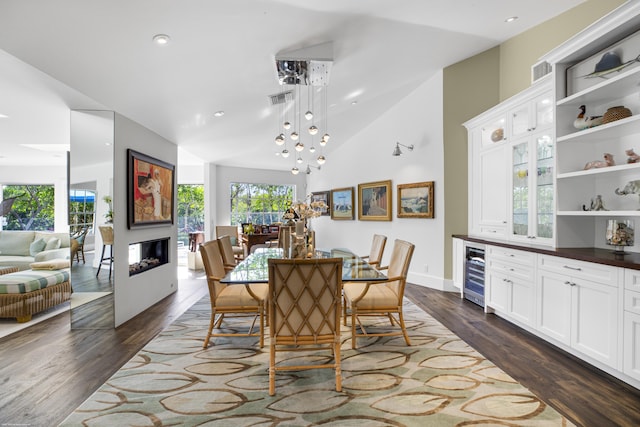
(55, 175)
(366, 157)
(137, 293)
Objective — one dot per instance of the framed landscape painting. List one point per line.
(342, 203)
(415, 200)
(150, 198)
(322, 196)
(374, 201)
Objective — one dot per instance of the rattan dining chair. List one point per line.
(380, 298)
(377, 250)
(240, 299)
(304, 311)
(226, 250)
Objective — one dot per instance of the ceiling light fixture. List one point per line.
(310, 67)
(397, 152)
(308, 170)
(3, 116)
(161, 39)
(218, 113)
(511, 19)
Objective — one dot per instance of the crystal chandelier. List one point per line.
(294, 69)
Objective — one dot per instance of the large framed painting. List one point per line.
(150, 197)
(320, 197)
(374, 201)
(342, 200)
(415, 200)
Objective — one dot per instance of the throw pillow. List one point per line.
(234, 241)
(37, 246)
(53, 243)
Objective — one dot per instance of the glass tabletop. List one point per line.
(255, 268)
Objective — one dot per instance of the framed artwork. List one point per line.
(415, 200)
(374, 201)
(342, 203)
(322, 196)
(150, 198)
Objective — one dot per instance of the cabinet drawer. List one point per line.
(511, 269)
(511, 255)
(632, 301)
(494, 231)
(632, 280)
(604, 274)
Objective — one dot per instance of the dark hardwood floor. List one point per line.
(48, 370)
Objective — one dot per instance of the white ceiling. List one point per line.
(221, 57)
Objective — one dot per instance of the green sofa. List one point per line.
(21, 248)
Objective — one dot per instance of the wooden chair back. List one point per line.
(399, 266)
(304, 309)
(377, 249)
(226, 250)
(213, 267)
(106, 232)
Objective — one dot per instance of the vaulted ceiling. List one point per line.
(66, 54)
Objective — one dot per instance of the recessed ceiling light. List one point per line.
(354, 102)
(511, 19)
(3, 116)
(219, 113)
(161, 39)
(107, 143)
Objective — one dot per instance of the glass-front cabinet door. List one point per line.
(532, 188)
(493, 131)
(531, 116)
(520, 189)
(544, 186)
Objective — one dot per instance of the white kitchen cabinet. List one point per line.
(631, 333)
(458, 264)
(495, 199)
(510, 283)
(579, 312)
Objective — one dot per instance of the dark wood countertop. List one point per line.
(597, 255)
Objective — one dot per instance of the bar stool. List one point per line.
(107, 240)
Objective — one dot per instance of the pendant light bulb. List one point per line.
(308, 115)
(312, 149)
(295, 136)
(299, 159)
(321, 159)
(286, 125)
(313, 130)
(326, 137)
(280, 139)
(299, 146)
(295, 171)
(285, 153)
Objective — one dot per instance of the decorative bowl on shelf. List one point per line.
(615, 113)
(497, 135)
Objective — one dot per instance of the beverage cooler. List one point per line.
(474, 274)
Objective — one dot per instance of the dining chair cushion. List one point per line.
(378, 296)
(238, 296)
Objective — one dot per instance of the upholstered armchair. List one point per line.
(380, 298)
(237, 300)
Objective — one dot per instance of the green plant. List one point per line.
(109, 215)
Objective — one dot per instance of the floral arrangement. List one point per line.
(303, 210)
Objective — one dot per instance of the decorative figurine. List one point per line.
(632, 187)
(633, 157)
(585, 122)
(596, 205)
(608, 161)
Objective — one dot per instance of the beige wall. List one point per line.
(519, 53)
(468, 86)
(480, 82)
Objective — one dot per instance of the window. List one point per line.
(259, 203)
(32, 209)
(190, 210)
(82, 209)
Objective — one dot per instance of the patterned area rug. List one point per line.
(438, 381)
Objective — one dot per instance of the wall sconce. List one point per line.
(397, 152)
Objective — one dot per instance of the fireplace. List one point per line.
(144, 256)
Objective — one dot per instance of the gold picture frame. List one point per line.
(374, 201)
(342, 203)
(415, 200)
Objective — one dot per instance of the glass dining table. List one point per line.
(255, 268)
